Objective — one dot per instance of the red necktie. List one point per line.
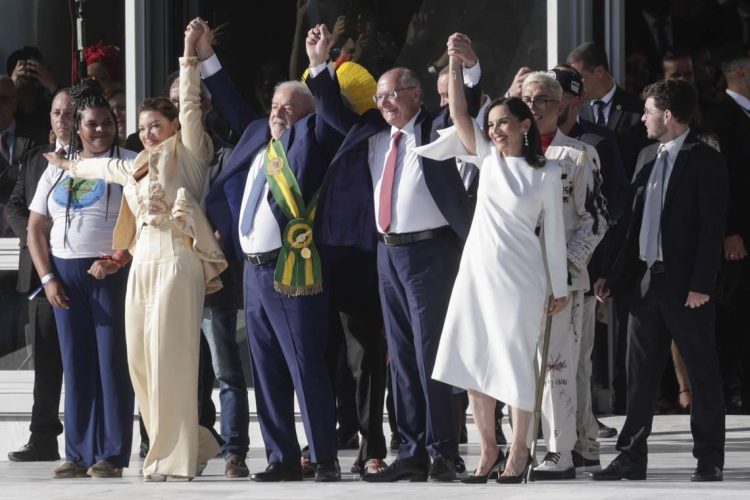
(386, 186)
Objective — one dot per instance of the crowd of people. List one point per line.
(375, 245)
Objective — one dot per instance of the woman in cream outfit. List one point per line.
(176, 261)
(497, 305)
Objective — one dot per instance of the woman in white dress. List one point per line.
(497, 307)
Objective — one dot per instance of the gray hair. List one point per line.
(301, 89)
(545, 80)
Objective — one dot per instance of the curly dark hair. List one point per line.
(677, 96)
(532, 152)
(86, 94)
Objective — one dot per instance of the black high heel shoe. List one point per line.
(482, 478)
(520, 478)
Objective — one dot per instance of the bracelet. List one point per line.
(686, 390)
(118, 258)
(47, 278)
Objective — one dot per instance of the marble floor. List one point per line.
(668, 475)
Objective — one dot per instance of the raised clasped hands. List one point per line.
(459, 45)
(318, 44)
(193, 32)
(199, 39)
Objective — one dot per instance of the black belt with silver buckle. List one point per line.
(406, 238)
(657, 267)
(258, 259)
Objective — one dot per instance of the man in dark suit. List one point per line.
(422, 213)
(287, 330)
(609, 105)
(669, 263)
(730, 119)
(45, 424)
(15, 143)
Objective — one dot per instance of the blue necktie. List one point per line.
(246, 223)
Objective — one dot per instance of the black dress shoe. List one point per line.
(706, 472)
(327, 472)
(143, 450)
(32, 452)
(278, 471)
(621, 467)
(443, 470)
(399, 470)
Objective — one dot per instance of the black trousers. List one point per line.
(657, 316)
(48, 374)
(354, 292)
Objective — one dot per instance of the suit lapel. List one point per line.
(358, 134)
(20, 147)
(677, 172)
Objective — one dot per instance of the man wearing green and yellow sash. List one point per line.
(263, 205)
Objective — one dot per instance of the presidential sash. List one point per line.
(298, 269)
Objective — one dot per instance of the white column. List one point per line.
(135, 60)
(614, 37)
(569, 24)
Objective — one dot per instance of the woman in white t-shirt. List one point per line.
(83, 280)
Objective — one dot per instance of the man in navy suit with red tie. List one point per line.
(422, 213)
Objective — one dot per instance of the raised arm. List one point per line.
(193, 135)
(459, 111)
(323, 84)
(224, 95)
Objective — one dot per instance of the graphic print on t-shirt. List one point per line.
(85, 192)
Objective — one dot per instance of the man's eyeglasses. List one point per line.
(538, 103)
(391, 96)
(648, 112)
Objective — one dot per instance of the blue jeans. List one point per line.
(219, 327)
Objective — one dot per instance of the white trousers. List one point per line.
(559, 402)
(163, 312)
(588, 430)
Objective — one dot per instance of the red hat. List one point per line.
(109, 55)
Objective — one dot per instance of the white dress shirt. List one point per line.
(264, 235)
(607, 100)
(413, 208)
(741, 101)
